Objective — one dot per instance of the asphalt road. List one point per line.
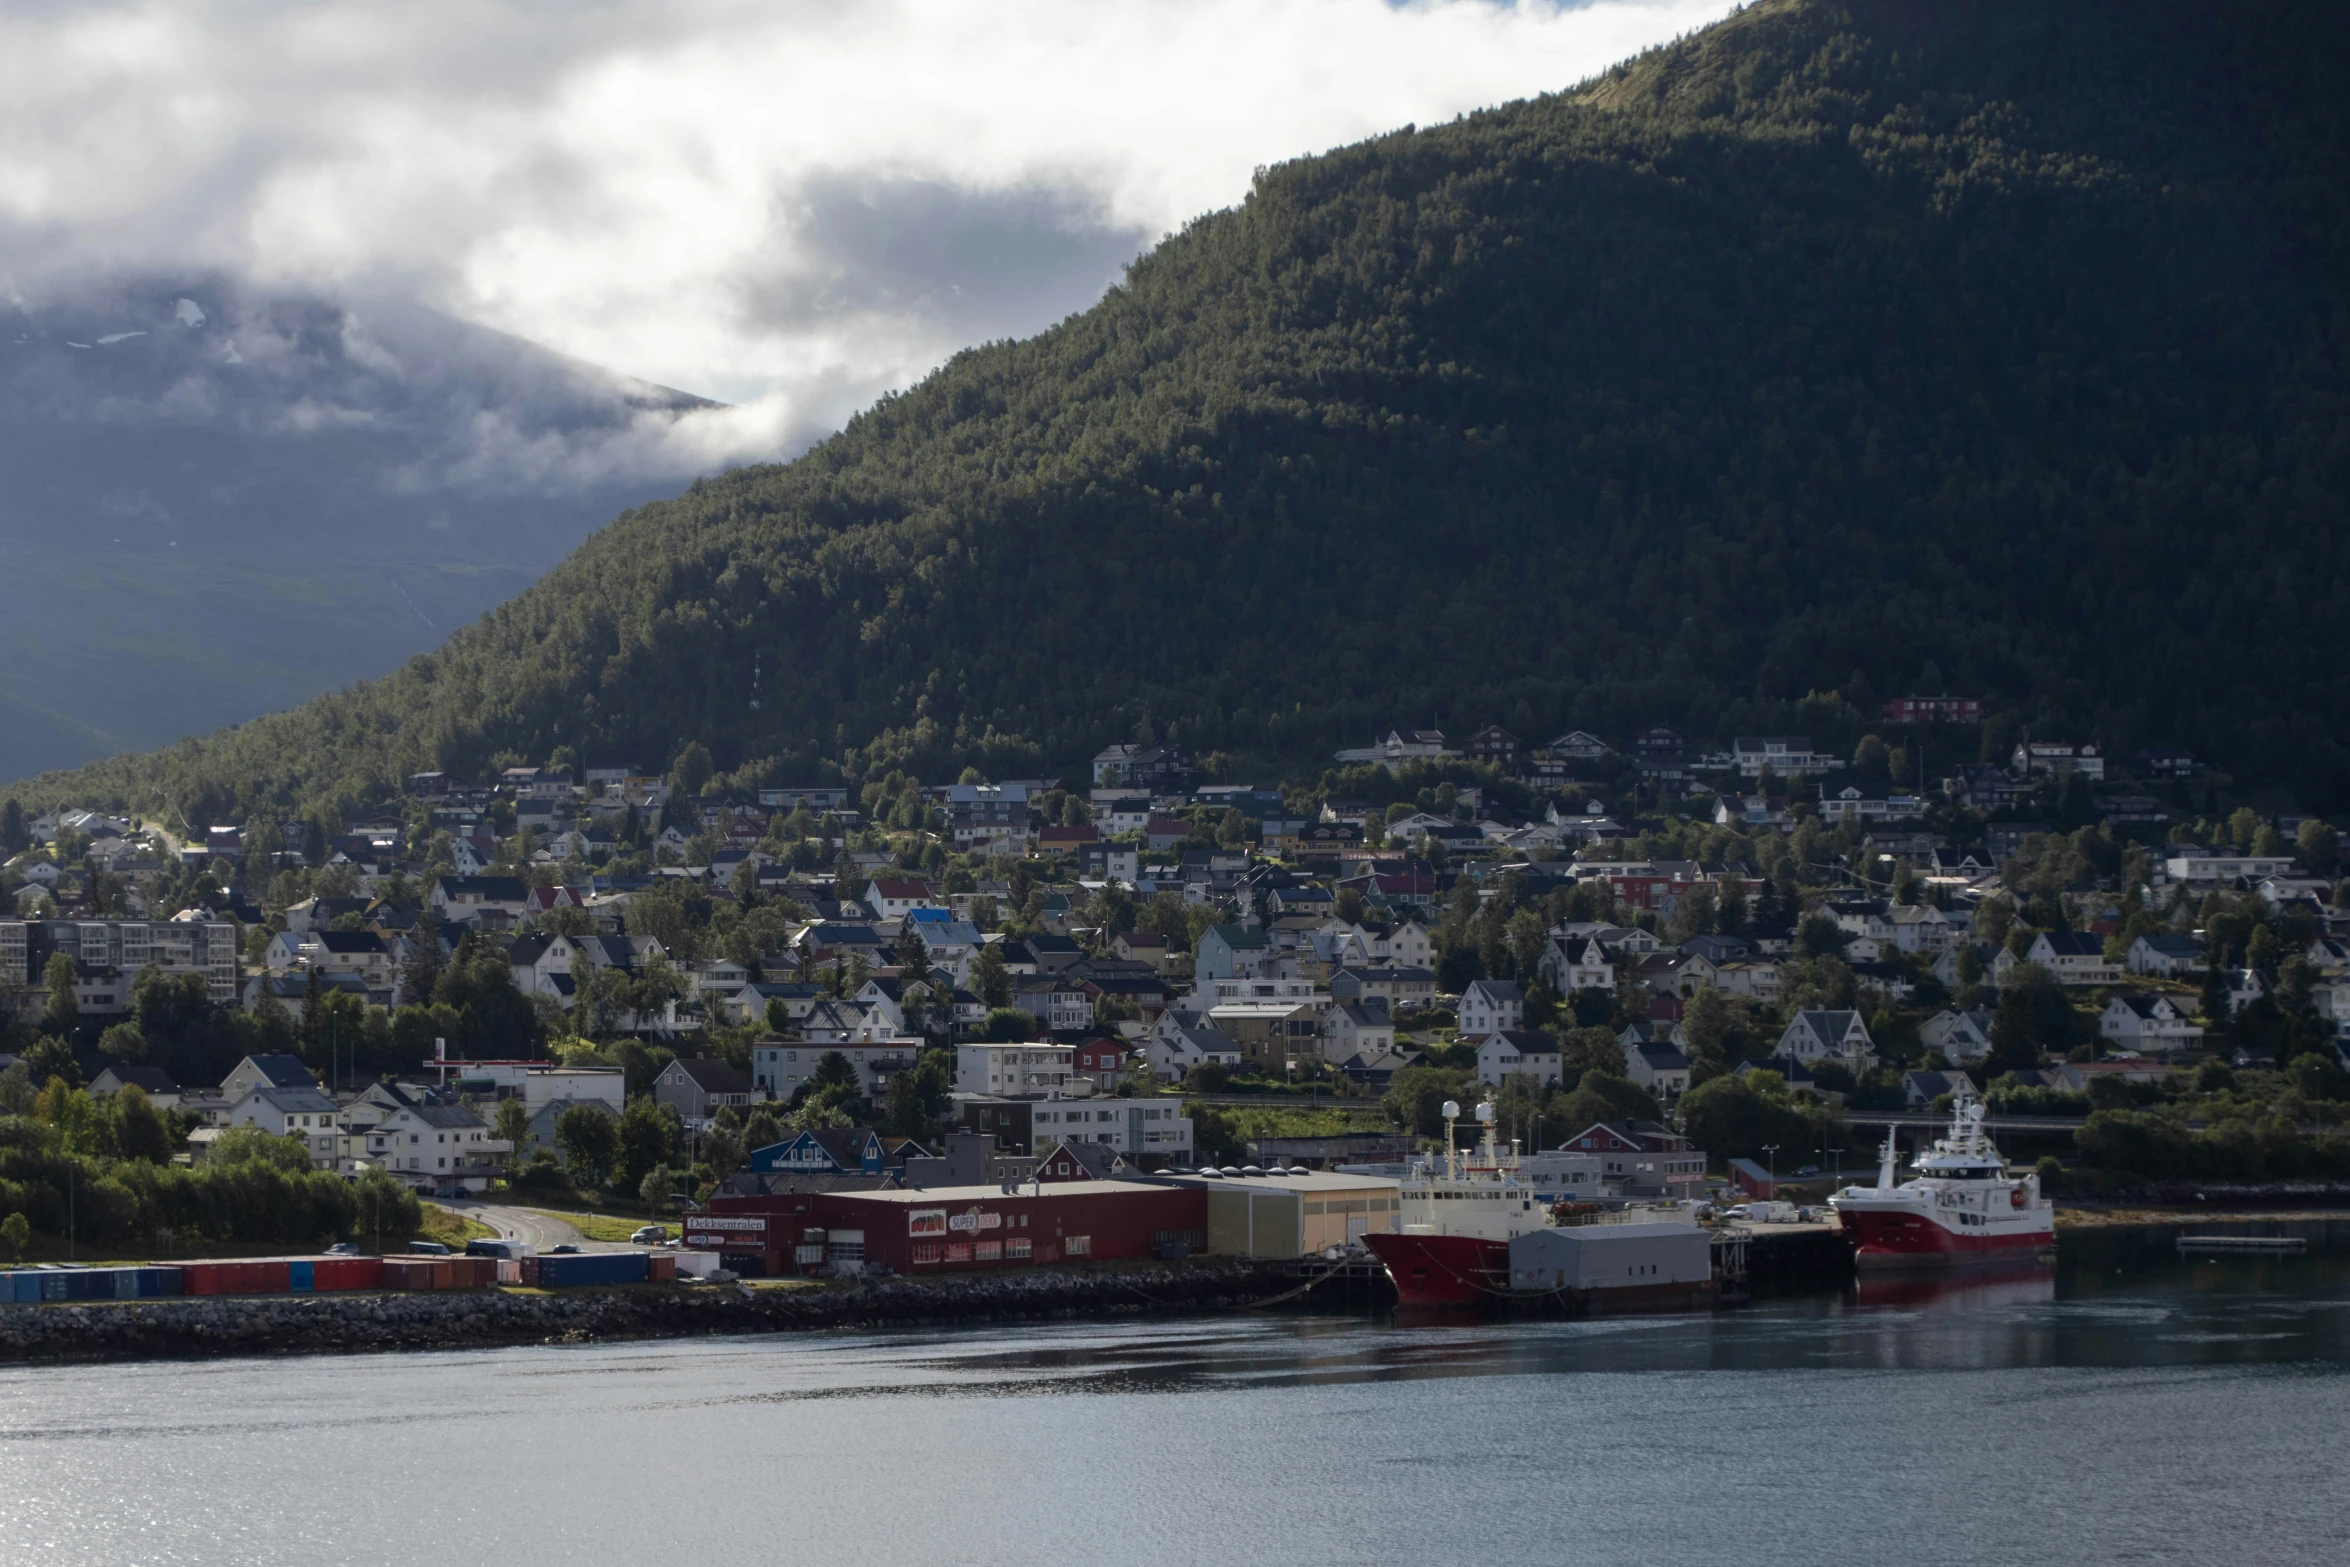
(539, 1231)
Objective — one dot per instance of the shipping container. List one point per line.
(661, 1266)
(591, 1268)
(299, 1275)
(24, 1288)
(347, 1273)
(267, 1278)
(509, 1270)
(407, 1273)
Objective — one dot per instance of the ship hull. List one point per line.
(1442, 1270)
(1908, 1239)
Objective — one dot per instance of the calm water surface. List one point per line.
(2129, 1407)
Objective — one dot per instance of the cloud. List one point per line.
(789, 207)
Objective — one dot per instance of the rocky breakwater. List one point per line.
(297, 1324)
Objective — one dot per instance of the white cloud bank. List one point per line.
(786, 206)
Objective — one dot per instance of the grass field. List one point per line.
(452, 1229)
(597, 1226)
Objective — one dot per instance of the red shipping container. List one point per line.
(268, 1278)
(407, 1273)
(206, 1278)
(347, 1273)
(530, 1271)
(661, 1267)
(444, 1273)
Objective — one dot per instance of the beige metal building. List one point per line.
(1293, 1215)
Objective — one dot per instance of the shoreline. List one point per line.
(2124, 1217)
(207, 1327)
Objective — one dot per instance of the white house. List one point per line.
(436, 1147)
(2074, 957)
(1353, 1028)
(302, 1112)
(1960, 1036)
(2148, 1021)
(1661, 1068)
(1824, 1035)
(2168, 956)
(1573, 963)
(1013, 1069)
(1491, 1006)
(1784, 755)
(1175, 1047)
(1514, 1052)
(1128, 1126)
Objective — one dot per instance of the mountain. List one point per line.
(223, 501)
(1988, 347)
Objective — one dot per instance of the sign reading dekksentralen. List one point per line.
(714, 1232)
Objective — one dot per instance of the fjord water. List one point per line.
(2129, 1406)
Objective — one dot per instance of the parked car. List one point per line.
(1809, 1169)
(564, 1250)
(650, 1235)
(428, 1248)
(344, 1249)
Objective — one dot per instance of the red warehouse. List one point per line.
(949, 1228)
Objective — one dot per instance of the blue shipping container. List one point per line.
(159, 1281)
(22, 1288)
(592, 1267)
(299, 1276)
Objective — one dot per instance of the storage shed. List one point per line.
(1611, 1257)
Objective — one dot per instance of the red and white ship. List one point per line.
(1963, 1206)
(1451, 1246)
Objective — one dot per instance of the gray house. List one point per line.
(699, 1085)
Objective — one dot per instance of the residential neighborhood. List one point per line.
(1658, 931)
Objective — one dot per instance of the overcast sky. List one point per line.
(787, 206)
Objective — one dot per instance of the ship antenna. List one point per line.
(1885, 1160)
(1452, 1164)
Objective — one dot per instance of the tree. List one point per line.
(589, 1141)
(1820, 937)
(1707, 1023)
(2034, 1018)
(15, 1232)
(1731, 1119)
(251, 1145)
(512, 1127)
(1416, 1096)
(64, 1013)
(420, 972)
(14, 838)
(691, 772)
(650, 1135)
(2317, 846)
(137, 1129)
(990, 979)
(913, 956)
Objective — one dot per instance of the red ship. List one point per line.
(1962, 1207)
(1452, 1243)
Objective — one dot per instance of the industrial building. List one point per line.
(949, 1228)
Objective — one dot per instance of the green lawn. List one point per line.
(596, 1226)
(451, 1228)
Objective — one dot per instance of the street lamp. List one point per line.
(1771, 1167)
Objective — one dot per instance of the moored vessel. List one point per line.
(1451, 1244)
(1962, 1206)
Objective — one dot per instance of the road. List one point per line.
(539, 1231)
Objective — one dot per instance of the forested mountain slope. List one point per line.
(1996, 347)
